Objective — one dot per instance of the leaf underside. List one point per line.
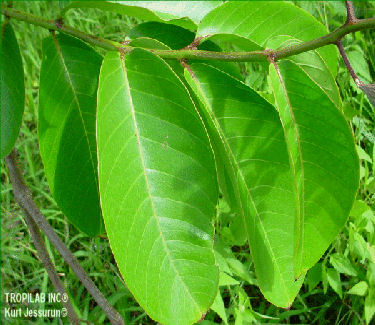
(158, 187)
(12, 89)
(66, 130)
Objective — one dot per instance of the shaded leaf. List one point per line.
(218, 307)
(252, 163)
(370, 306)
(12, 89)
(173, 36)
(323, 161)
(66, 130)
(334, 281)
(314, 276)
(158, 187)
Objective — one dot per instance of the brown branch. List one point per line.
(350, 13)
(48, 265)
(23, 197)
(356, 79)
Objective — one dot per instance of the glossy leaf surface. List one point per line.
(67, 105)
(253, 165)
(259, 21)
(323, 161)
(158, 187)
(12, 89)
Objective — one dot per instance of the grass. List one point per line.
(319, 301)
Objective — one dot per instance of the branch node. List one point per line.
(59, 23)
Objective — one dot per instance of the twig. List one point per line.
(331, 38)
(23, 197)
(350, 17)
(356, 79)
(48, 265)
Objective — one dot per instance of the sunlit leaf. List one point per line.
(158, 187)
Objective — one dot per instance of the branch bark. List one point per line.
(23, 197)
(331, 38)
(350, 13)
(48, 265)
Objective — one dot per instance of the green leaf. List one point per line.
(226, 280)
(370, 306)
(66, 130)
(342, 264)
(185, 14)
(323, 160)
(218, 307)
(359, 289)
(252, 162)
(259, 21)
(12, 89)
(158, 187)
(314, 66)
(194, 10)
(173, 36)
(314, 276)
(334, 281)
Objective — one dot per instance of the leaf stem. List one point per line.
(331, 38)
(22, 195)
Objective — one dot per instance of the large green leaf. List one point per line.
(158, 187)
(252, 161)
(323, 160)
(258, 21)
(67, 105)
(185, 14)
(12, 89)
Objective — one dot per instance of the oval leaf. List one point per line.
(158, 187)
(67, 105)
(12, 89)
(323, 160)
(258, 21)
(253, 162)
